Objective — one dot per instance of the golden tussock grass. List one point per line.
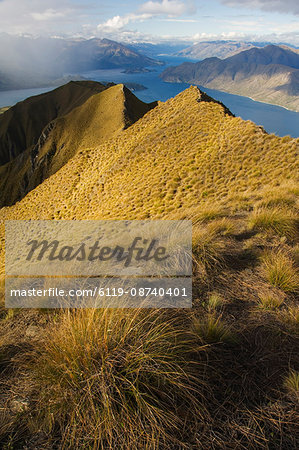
(270, 300)
(117, 379)
(212, 377)
(291, 383)
(212, 329)
(283, 222)
(280, 271)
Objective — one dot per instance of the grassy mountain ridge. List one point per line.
(100, 115)
(268, 74)
(22, 124)
(224, 374)
(209, 157)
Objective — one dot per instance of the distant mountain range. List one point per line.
(218, 49)
(93, 54)
(159, 49)
(269, 74)
(28, 62)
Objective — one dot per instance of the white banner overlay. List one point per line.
(98, 247)
(98, 292)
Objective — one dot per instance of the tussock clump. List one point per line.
(280, 221)
(291, 383)
(212, 329)
(224, 227)
(215, 301)
(270, 300)
(290, 318)
(277, 199)
(208, 248)
(280, 271)
(208, 213)
(107, 379)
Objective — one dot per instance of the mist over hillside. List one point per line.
(32, 62)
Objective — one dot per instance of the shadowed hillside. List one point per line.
(101, 113)
(223, 374)
(22, 125)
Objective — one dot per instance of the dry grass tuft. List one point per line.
(110, 379)
(215, 301)
(280, 221)
(280, 271)
(224, 227)
(270, 300)
(291, 383)
(208, 248)
(212, 329)
(290, 317)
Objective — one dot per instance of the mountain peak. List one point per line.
(93, 117)
(195, 94)
(22, 124)
(187, 149)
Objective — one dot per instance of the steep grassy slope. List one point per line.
(3, 109)
(22, 124)
(269, 74)
(184, 152)
(100, 116)
(222, 375)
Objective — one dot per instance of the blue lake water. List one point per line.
(9, 98)
(273, 118)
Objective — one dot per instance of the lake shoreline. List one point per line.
(274, 119)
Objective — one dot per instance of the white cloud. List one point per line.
(180, 20)
(284, 6)
(37, 16)
(169, 8)
(49, 14)
(119, 22)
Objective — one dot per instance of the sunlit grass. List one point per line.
(115, 377)
(277, 220)
(269, 301)
(291, 383)
(213, 329)
(215, 301)
(280, 271)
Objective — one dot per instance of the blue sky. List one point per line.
(155, 20)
